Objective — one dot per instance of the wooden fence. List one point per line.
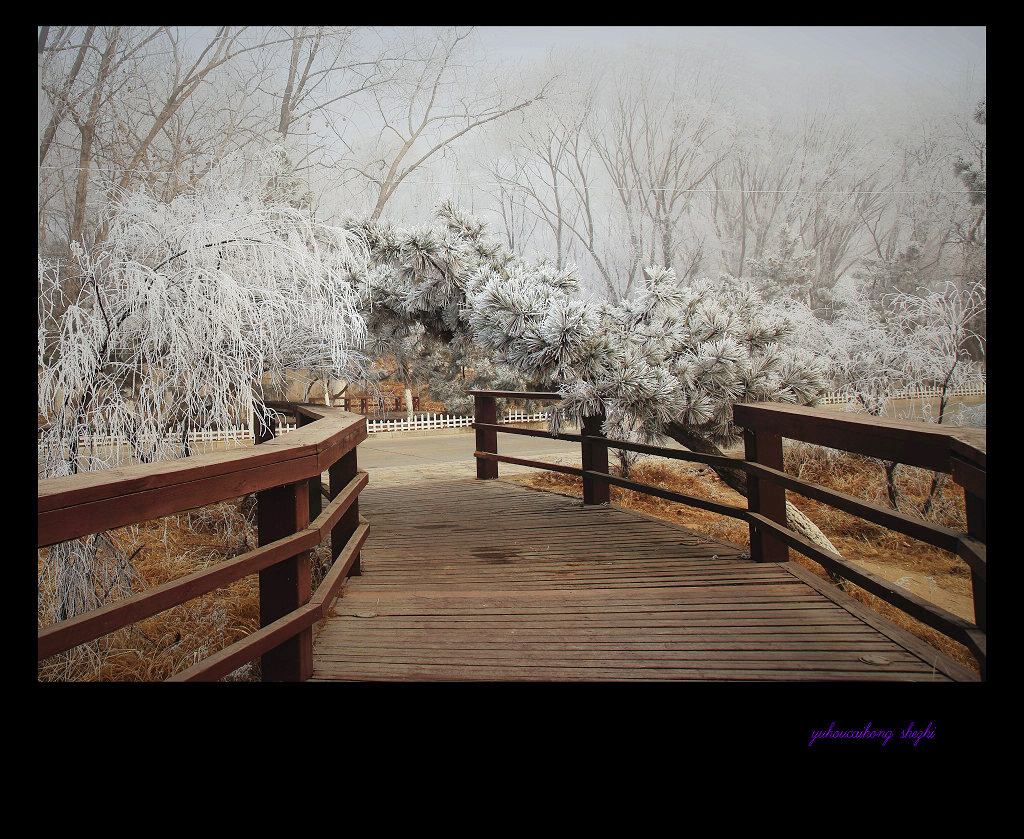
(956, 451)
(285, 473)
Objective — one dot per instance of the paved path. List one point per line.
(407, 459)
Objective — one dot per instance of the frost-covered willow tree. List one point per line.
(862, 348)
(177, 321)
(939, 325)
(667, 362)
(878, 350)
(940, 342)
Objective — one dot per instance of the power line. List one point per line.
(606, 188)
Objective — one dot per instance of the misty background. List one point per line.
(848, 152)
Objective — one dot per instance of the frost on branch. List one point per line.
(414, 301)
(183, 310)
(670, 361)
(176, 320)
(938, 326)
(878, 351)
(667, 355)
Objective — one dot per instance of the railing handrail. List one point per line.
(914, 443)
(92, 502)
(953, 449)
(286, 472)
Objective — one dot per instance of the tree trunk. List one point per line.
(88, 132)
(286, 100)
(892, 491)
(408, 402)
(938, 482)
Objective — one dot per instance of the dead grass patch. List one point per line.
(163, 550)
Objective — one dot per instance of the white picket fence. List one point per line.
(418, 422)
(242, 434)
(973, 388)
(430, 421)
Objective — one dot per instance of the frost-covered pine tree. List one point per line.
(670, 361)
(178, 321)
(414, 301)
(786, 269)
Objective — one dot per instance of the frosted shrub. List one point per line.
(937, 324)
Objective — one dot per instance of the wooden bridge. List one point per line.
(485, 580)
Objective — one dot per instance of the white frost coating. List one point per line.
(183, 310)
(875, 352)
(172, 323)
(938, 324)
(668, 354)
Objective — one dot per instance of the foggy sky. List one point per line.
(932, 53)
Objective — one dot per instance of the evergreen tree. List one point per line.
(666, 362)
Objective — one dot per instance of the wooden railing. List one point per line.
(285, 473)
(956, 451)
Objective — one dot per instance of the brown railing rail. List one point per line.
(956, 451)
(285, 473)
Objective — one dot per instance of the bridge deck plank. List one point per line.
(486, 580)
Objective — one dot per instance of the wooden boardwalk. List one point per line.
(486, 580)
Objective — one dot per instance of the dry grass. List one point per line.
(885, 552)
(161, 551)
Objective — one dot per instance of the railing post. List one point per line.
(595, 459)
(287, 585)
(315, 497)
(975, 509)
(485, 409)
(339, 476)
(765, 497)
